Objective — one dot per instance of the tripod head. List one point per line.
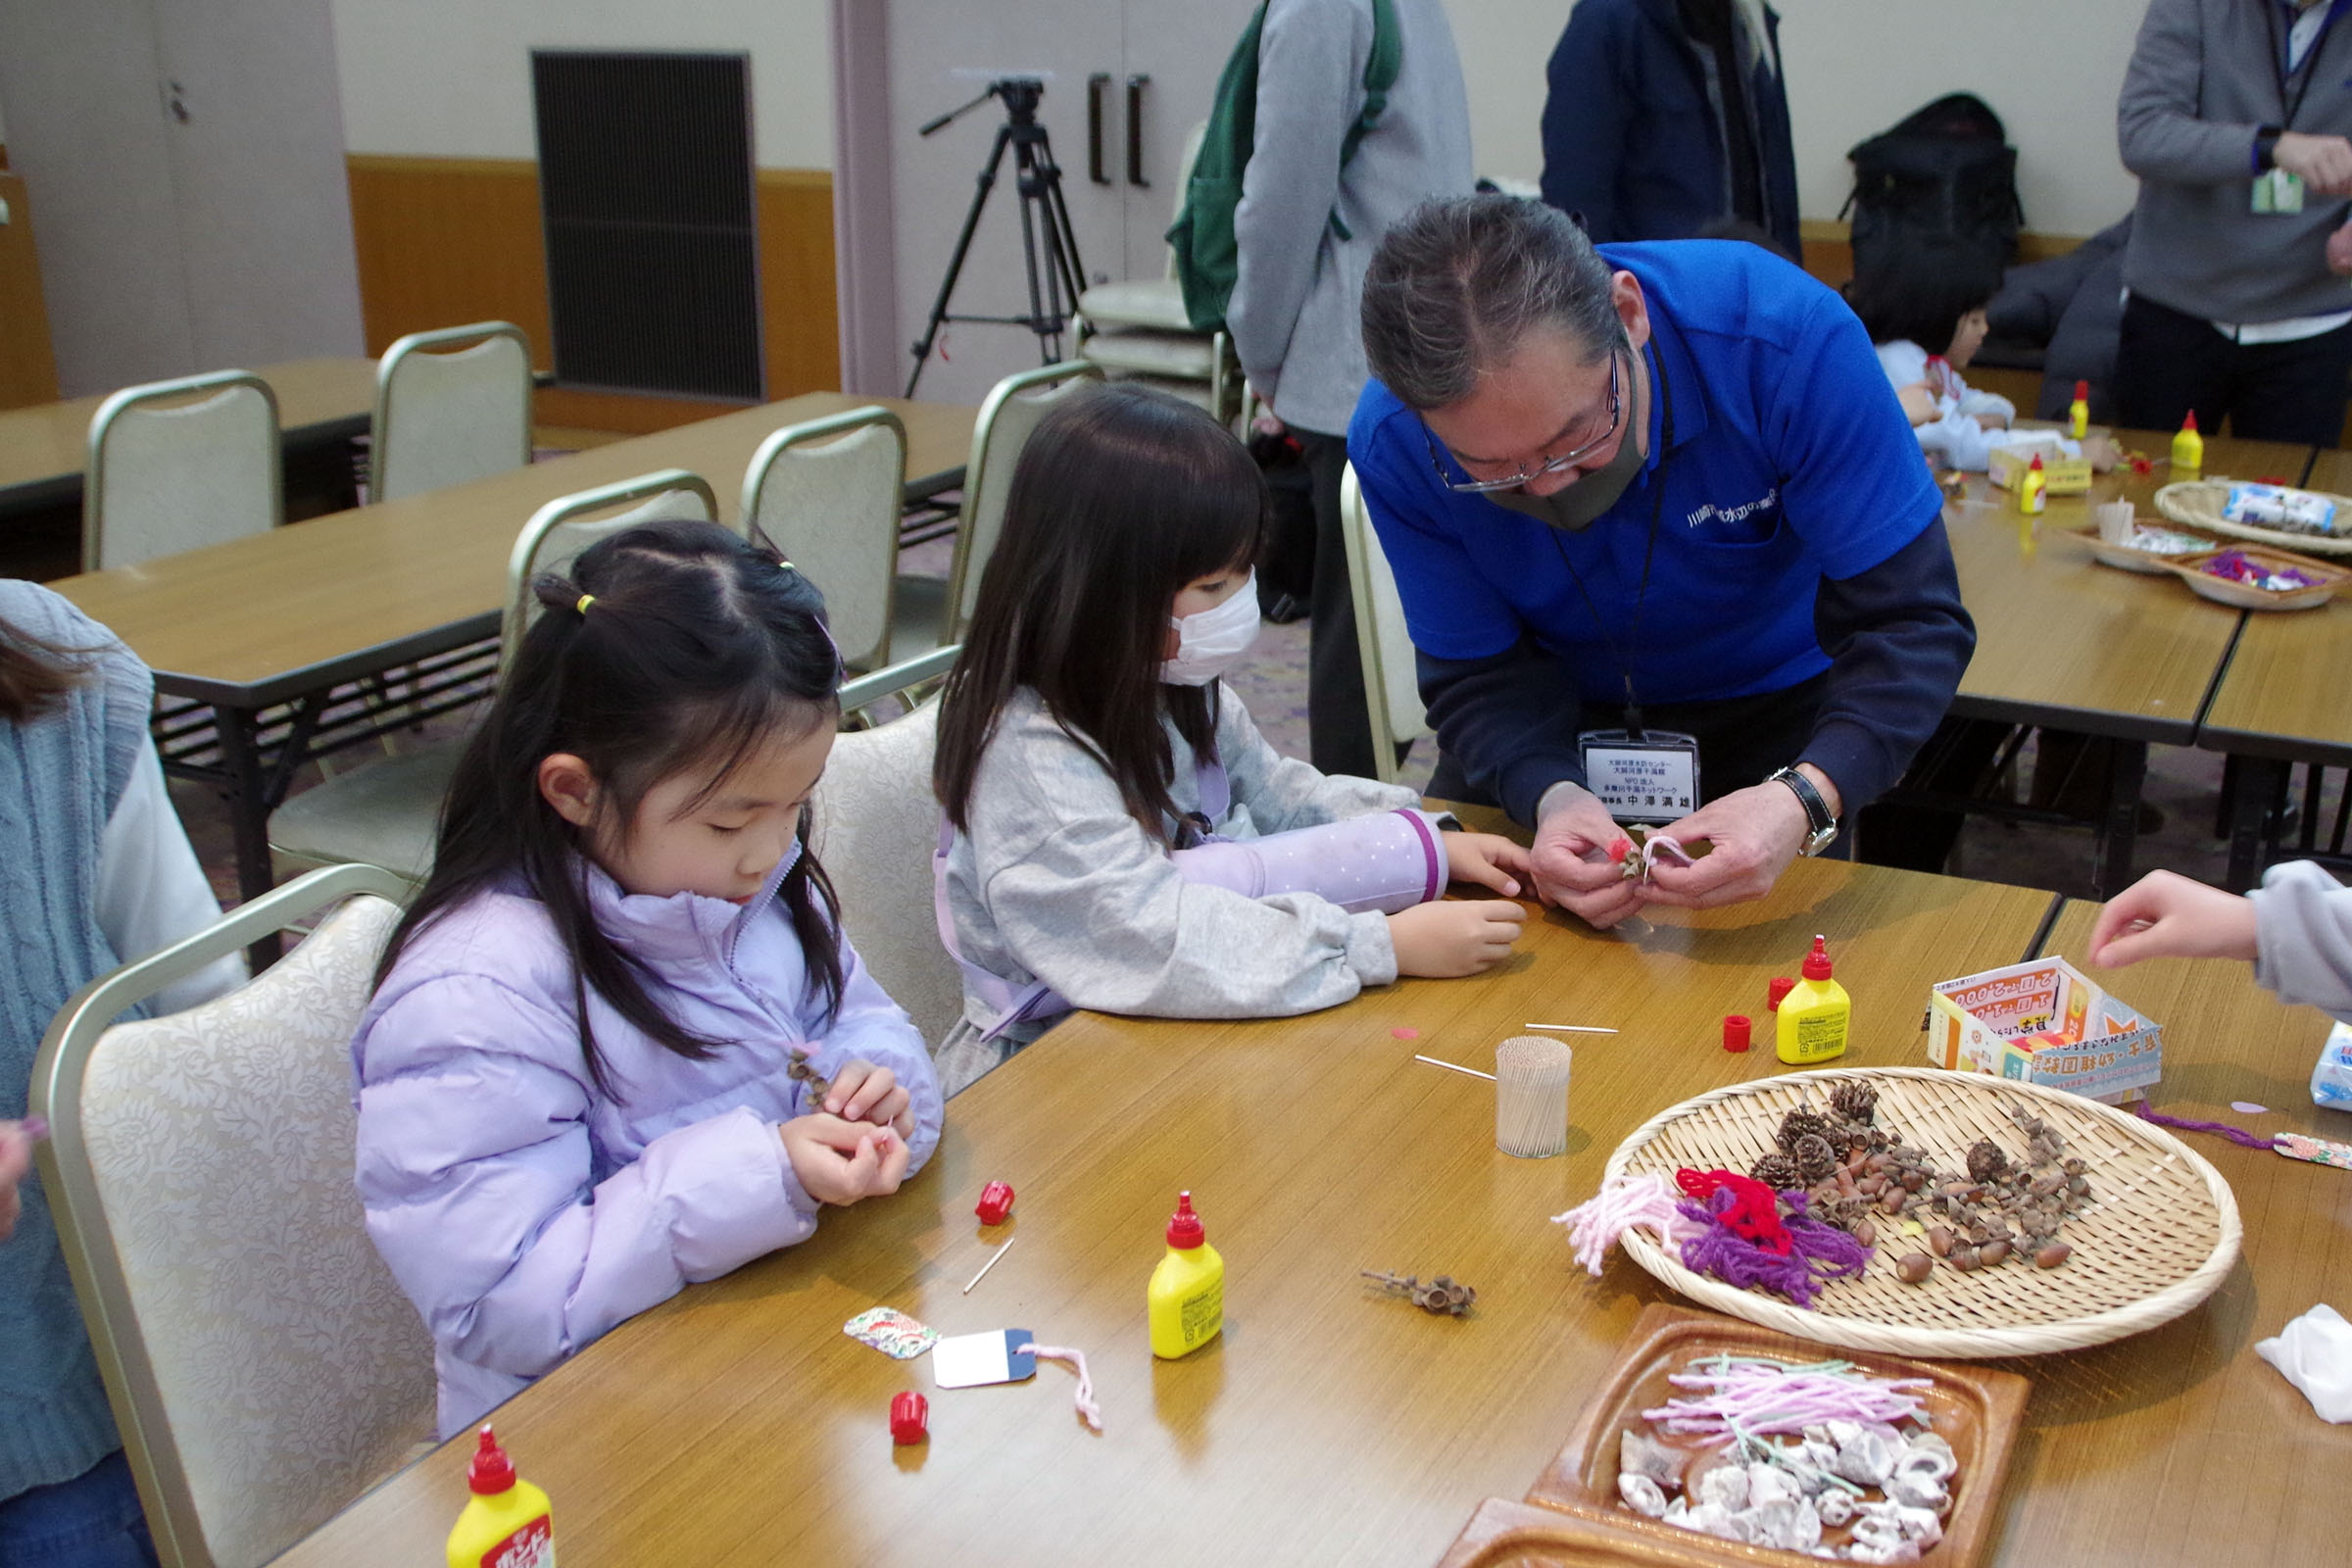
(1021, 95)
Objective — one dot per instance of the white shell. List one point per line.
(1916, 1488)
(1710, 1520)
(1866, 1457)
(1725, 1486)
(1899, 1551)
(1642, 1455)
(1836, 1505)
(1920, 1525)
(1928, 1455)
(1786, 1523)
(1769, 1483)
(1641, 1495)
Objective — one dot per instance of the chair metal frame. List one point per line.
(131, 398)
(84, 1233)
(975, 470)
(1355, 529)
(379, 424)
(831, 427)
(903, 676)
(572, 509)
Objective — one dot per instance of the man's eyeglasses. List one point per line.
(1525, 474)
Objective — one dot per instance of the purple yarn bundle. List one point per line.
(1820, 1253)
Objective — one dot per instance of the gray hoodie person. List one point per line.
(2303, 937)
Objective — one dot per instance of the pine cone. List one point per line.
(1802, 1122)
(1985, 1160)
(1778, 1172)
(1814, 1159)
(1855, 1100)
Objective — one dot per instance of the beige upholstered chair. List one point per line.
(828, 493)
(263, 1366)
(445, 414)
(1391, 683)
(167, 475)
(1007, 415)
(876, 827)
(387, 813)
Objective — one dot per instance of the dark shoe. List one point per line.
(1285, 610)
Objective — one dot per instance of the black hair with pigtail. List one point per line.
(672, 647)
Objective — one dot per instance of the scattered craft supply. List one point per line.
(971, 1360)
(2249, 1108)
(1405, 1034)
(1571, 1028)
(1451, 1067)
(892, 1331)
(1778, 987)
(800, 1071)
(2294, 1146)
(1738, 1032)
(1624, 1201)
(2314, 1353)
(1748, 1244)
(1637, 864)
(996, 1201)
(2235, 565)
(991, 1264)
(1443, 1296)
(910, 1418)
(1088, 1411)
(1749, 1397)
(1530, 1096)
(1184, 1303)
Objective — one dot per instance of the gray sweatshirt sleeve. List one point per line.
(1283, 793)
(2156, 118)
(2303, 937)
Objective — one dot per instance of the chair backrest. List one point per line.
(444, 414)
(1007, 415)
(828, 493)
(166, 474)
(263, 1365)
(1184, 179)
(1391, 685)
(566, 526)
(876, 827)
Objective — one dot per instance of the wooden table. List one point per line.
(2280, 701)
(285, 616)
(2181, 1446)
(320, 403)
(736, 1423)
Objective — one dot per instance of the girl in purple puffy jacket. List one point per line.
(619, 1042)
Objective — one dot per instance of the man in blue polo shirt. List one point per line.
(1664, 539)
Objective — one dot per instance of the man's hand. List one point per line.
(1570, 861)
(2322, 162)
(2339, 252)
(1755, 834)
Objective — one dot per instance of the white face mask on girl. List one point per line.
(1213, 642)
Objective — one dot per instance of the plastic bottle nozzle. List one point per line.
(2082, 391)
(492, 1472)
(1817, 962)
(2035, 465)
(1184, 1227)
(2191, 421)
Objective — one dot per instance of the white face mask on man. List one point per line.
(1213, 642)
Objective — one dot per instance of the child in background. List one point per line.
(2295, 929)
(1923, 304)
(574, 1086)
(1122, 837)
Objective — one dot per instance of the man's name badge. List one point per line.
(2277, 191)
(1652, 780)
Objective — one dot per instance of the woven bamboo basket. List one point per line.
(2199, 502)
(2161, 1234)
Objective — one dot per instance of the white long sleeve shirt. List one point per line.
(152, 892)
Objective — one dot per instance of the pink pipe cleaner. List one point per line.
(1623, 1202)
(1747, 1396)
(1088, 1411)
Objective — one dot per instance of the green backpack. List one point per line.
(1207, 259)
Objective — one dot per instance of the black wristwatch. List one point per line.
(1822, 827)
(2265, 147)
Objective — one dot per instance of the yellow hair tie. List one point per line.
(585, 601)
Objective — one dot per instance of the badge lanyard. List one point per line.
(1657, 502)
(2275, 189)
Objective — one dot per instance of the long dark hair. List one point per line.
(697, 650)
(36, 672)
(1121, 497)
(1919, 289)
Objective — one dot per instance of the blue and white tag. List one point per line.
(970, 1360)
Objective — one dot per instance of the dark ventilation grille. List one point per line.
(645, 188)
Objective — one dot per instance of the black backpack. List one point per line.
(1946, 171)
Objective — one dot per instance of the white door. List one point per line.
(1181, 47)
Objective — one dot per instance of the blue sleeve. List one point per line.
(1584, 120)
(1511, 722)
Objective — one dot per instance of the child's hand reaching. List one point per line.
(1454, 937)
(2104, 455)
(2167, 915)
(1486, 858)
(864, 1092)
(842, 1162)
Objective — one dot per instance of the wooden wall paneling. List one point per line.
(27, 368)
(800, 330)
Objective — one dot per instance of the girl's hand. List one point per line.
(842, 1162)
(2167, 915)
(864, 1092)
(2104, 455)
(1486, 858)
(16, 1158)
(1454, 937)
(1919, 403)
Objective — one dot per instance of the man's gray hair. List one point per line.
(1457, 286)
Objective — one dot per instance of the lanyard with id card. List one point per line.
(2277, 191)
(1650, 777)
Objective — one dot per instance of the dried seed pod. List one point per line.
(1865, 1232)
(2050, 1256)
(1778, 1172)
(1914, 1181)
(1913, 1268)
(1805, 1122)
(1962, 1258)
(1815, 1159)
(1856, 1101)
(1993, 1253)
(1939, 1241)
(1985, 1160)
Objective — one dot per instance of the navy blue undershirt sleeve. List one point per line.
(1898, 641)
(1510, 722)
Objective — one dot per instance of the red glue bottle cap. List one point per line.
(2082, 391)
(1736, 1030)
(1779, 987)
(1817, 962)
(493, 1472)
(2190, 422)
(2037, 463)
(1183, 1228)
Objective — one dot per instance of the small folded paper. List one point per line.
(2314, 1353)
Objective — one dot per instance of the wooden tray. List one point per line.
(2149, 562)
(2160, 1237)
(2199, 502)
(1976, 1410)
(1516, 1535)
(2245, 596)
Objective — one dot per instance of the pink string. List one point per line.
(1595, 1225)
(2237, 1134)
(1088, 1411)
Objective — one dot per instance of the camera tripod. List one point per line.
(1045, 220)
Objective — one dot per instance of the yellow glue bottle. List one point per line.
(2032, 488)
(2078, 413)
(508, 1524)
(2189, 448)
(1815, 1014)
(1187, 1298)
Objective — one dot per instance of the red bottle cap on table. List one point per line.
(910, 1418)
(1735, 1031)
(1780, 986)
(996, 1201)
(1817, 962)
(1184, 1227)
(493, 1472)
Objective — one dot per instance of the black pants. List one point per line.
(2170, 363)
(1338, 726)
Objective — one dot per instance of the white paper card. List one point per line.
(970, 1359)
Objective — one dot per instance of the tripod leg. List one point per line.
(1061, 238)
(963, 243)
(1047, 327)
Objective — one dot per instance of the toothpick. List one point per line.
(991, 1264)
(1572, 1028)
(1452, 1067)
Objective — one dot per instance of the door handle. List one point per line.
(1095, 86)
(1134, 130)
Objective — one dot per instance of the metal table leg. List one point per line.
(2261, 781)
(248, 796)
(2111, 859)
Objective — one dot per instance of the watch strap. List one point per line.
(1821, 826)
(2266, 148)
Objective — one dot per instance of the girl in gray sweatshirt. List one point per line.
(2295, 929)
(1117, 834)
